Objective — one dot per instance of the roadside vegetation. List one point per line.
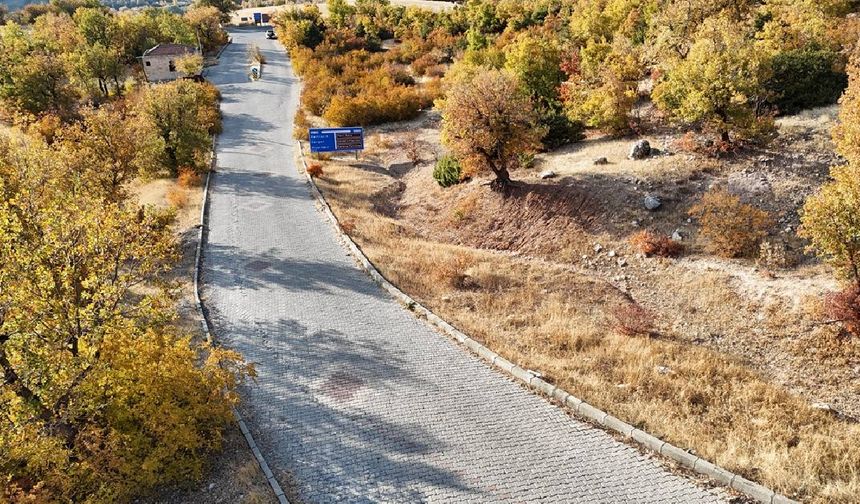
(715, 317)
(106, 393)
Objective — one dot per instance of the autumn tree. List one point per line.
(535, 60)
(340, 13)
(831, 221)
(488, 123)
(482, 21)
(674, 27)
(184, 114)
(798, 24)
(190, 65)
(135, 32)
(96, 64)
(32, 81)
(101, 396)
(300, 27)
(602, 85)
(846, 134)
(206, 23)
(719, 83)
(56, 33)
(607, 20)
(110, 147)
(831, 217)
(95, 24)
(225, 7)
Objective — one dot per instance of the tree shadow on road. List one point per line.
(227, 267)
(247, 184)
(309, 409)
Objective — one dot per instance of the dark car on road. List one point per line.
(270, 34)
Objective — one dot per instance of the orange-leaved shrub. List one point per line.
(631, 319)
(176, 197)
(315, 170)
(188, 177)
(420, 65)
(655, 244)
(844, 307)
(730, 227)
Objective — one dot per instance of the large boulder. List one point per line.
(640, 150)
(652, 203)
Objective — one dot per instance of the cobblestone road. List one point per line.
(356, 400)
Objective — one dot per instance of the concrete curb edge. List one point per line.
(692, 462)
(229, 41)
(206, 326)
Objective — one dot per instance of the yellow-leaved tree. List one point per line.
(719, 82)
(831, 217)
(101, 396)
(111, 146)
(846, 134)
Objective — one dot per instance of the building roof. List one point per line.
(170, 50)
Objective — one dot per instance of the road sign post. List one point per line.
(336, 139)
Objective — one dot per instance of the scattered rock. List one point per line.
(823, 407)
(211, 486)
(446, 298)
(677, 236)
(662, 369)
(640, 150)
(598, 248)
(622, 262)
(601, 161)
(652, 203)
(547, 174)
(612, 253)
(635, 223)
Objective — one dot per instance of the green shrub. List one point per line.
(560, 129)
(805, 78)
(447, 171)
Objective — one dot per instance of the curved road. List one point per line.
(356, 400)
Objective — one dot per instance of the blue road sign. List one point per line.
(336, 139)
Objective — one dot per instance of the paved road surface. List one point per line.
(356, 400)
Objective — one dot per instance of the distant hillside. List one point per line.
(13, 5)
(17, 4)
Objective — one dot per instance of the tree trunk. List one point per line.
(503, 178)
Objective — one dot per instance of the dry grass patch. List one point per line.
(548, 317)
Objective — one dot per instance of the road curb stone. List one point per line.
(714, 472)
